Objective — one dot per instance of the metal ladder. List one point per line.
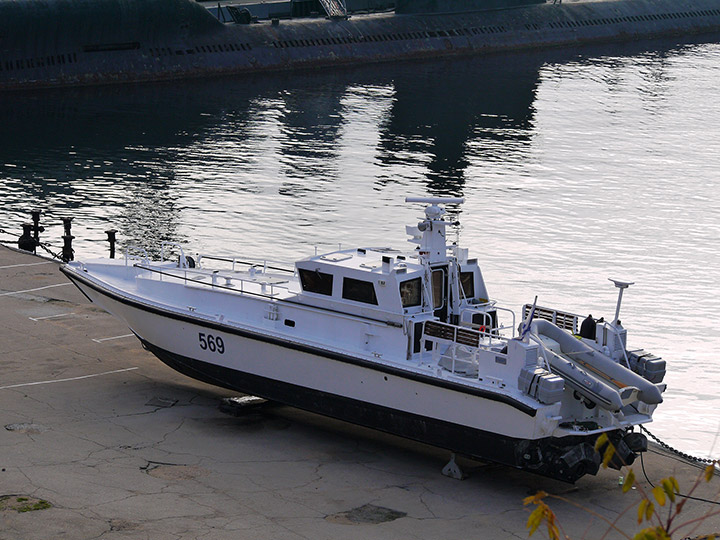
(335, 9)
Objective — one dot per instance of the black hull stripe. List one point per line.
(458, 438)
(522, 407)
(544, 456)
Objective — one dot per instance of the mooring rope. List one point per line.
(683, 455)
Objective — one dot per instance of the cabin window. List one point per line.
(316, 282)
(359, 291)
(467, 283)
(438, 288)
(410, 292)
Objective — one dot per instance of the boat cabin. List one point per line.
(436, 281)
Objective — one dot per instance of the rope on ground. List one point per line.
(642, 463)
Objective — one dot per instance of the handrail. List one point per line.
(486, 314)
(235, 260)
(512, 313)
(315, 246)
(136, 248)
(452, 336)
(183, 260)
(280, 300)
(453, 328)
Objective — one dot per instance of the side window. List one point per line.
(360, 291)
(410, 292)
(467, 283)
(438, 287)
(316, 282)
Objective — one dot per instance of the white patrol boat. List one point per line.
(407, 343)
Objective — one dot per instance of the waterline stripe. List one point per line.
(33, 290)
(26, 264)
(50, 316)
(109, 338)
(70, 379)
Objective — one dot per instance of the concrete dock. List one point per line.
(99, 439)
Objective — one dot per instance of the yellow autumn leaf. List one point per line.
(645, 534)
(641, 510)
(534, 499)
(600, 442)
(668, 488)
(709, 472)
(534, 520)
(659, 494)
(629, 481)
(609, 453)
(553, 532)
(676, 486)
(649, 510)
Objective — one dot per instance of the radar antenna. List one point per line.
(430, 233)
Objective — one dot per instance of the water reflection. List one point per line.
(442, 108)
(117, 152)
(131, 154)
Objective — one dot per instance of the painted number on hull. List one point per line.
(211, 343)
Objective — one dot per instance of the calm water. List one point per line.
(576, 166)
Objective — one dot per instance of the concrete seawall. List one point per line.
(121, 446)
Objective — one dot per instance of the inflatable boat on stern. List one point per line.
(591, 373)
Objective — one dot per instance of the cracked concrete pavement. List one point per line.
(125, 448)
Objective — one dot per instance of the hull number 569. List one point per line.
(211, 343)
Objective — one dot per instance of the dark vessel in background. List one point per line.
(78, 42)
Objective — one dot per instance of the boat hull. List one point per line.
(446, 415)
(539, 456)
(81, 42)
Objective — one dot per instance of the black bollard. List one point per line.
(67, 250)
(67, 224)
(111, 238)
(37, 228)
(26, 242)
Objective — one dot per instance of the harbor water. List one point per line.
(576, 166)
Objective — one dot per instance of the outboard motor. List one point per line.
(579, 461)
(627, 448)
